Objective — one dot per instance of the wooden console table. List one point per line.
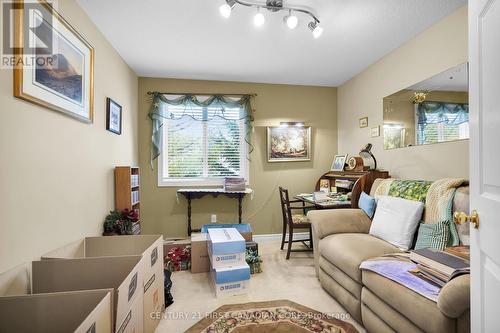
(198, 193)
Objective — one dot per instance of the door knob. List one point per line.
(461, 217)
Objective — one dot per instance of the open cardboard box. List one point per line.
(16, 281)
(122, 274)
(76, 311)
(150, 247)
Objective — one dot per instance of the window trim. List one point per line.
(202, 181)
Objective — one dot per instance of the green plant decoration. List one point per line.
(120, 223)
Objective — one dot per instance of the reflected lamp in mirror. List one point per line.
(433, 111)
(368, 158)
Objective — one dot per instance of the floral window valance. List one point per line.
(213, 110)
(439, 122)
(437, 112)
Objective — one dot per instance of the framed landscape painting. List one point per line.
(288, 144)
(60, 76)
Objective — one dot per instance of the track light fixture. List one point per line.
(259, 18)
(291, 20)
(225, 9)
(315, 28)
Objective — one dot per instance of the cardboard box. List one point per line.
(77, 311)
(231, 280)
(200, 263)
(226, 248)
(244, 229)
(122, 274)
(150, 247)
(16, 281)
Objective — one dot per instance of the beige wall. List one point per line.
(275, 103)
(56, 173)
(441, 47)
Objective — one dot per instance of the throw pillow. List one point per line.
(433, 235)
(367, 204)
(396, 220)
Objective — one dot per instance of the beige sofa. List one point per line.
(341, 242)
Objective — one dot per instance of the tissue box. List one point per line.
(226, 247)
(231, 280)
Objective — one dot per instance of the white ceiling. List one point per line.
(189, 39)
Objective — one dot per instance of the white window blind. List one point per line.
(201, 149)
(436, 131)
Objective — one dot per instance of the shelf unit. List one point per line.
(127, 188)
(362, 181)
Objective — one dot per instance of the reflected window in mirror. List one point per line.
(441, 122)
(432, 111)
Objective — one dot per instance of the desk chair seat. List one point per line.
(294, 221)
(299, 218)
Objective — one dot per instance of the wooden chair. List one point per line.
(294, 221)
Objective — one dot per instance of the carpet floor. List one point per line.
(294, 280)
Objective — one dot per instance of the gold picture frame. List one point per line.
(68, 86)
(363, 122)
(375, 131)
(289, 144)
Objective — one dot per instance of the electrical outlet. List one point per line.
(213, 219)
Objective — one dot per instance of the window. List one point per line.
(441, 122)
(201, 148)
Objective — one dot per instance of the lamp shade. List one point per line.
(367, 155)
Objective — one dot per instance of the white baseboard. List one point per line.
(269, 237)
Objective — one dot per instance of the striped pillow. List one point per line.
(433, 235)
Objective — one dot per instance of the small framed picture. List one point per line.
(375, 131)
(338, 163)
(363, 122)
(113, 116)
(324, 185)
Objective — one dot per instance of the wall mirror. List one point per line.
(432, 111)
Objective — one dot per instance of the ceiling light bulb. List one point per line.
(316, 29)
(225, 9)
(291, 20)
(259, 19)
(317, 32)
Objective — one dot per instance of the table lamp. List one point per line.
(366, 154)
